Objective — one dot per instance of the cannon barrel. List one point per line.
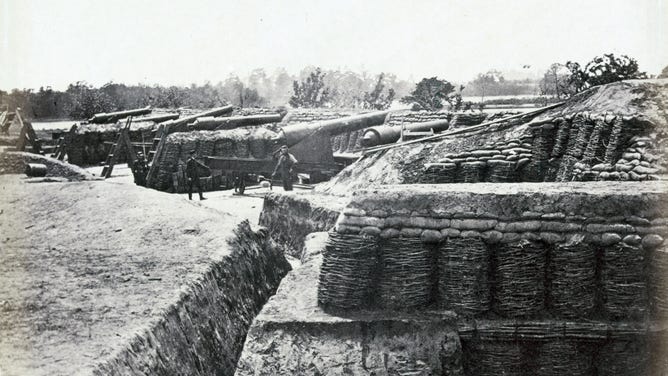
(114, 116)
(385, 134)
(211, 123)
(179, 125)
(293, 134)
(157, 118)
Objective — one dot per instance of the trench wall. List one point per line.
(291, 217)
(546, 278)
(204, 332)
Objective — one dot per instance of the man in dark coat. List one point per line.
(193, 167)
(140, 169)
(286, 162)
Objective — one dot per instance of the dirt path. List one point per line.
(86, 266)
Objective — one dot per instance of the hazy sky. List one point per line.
(180, 42)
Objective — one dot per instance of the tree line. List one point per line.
(314, 87)
(345, 89)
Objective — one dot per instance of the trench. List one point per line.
(204, 332)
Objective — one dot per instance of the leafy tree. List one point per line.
(87, 101)
(375, 99)
(312, 92)
(556, 82)
(603, 70)
(429, 94)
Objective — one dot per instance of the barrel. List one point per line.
(35, 170)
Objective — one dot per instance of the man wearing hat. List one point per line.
(286, 162)
(193, 167)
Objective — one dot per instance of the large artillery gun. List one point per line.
(310, 143)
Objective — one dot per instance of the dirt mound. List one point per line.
(613, 132)
(644, 99)
(15, 163)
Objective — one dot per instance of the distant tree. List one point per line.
(556, 82)
(487, 84)
(375, 99)
(603, 70)
(429, 94)
(664, 73)
(312, 92)
(87, 101)
(282, 87)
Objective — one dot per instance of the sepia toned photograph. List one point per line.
(260, 188)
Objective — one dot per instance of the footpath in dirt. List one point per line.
(85, 266)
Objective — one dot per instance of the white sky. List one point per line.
(57, 42)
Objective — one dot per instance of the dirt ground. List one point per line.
(86, 266)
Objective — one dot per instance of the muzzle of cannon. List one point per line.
(157, 118)
(211, 123)
(115, 116)
(295, 133)
(180, 125)
(385, 134)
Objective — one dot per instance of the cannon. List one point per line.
(180, 125)
(210, 123)
(115, 116)
(157, 118)
(310, 143)
(296, 133)
(385, 134)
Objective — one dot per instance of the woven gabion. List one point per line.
(347, 271)
(658, 283)
(493, 358)
(572, 276)
(500, 171)
(563, 357)
(463, 268)
(439, 173)
(405, 273)
(471, 172)
(622, 358)
(623, 280)
(520, 270)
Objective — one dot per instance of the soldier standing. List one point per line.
(286, 162)
(140, 169)
(193, 167)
